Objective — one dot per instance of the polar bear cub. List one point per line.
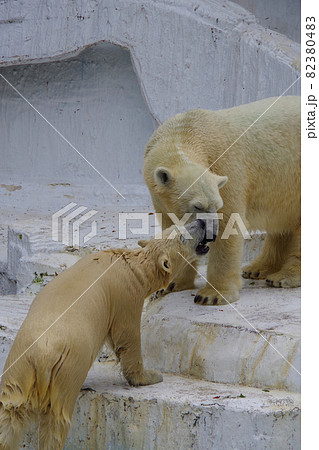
(98, 299)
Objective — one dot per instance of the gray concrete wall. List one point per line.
(282, 16)
(94, 100)
(174, 56)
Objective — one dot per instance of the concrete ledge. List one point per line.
(217, 344)
(181, 413)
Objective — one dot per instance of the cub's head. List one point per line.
(176, 246)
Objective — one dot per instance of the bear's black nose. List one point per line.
(211, 239)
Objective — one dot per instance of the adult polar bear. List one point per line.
(254, 150)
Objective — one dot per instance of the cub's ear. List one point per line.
(221, 181)
(142, 243)
(165, 263)
(163, 176)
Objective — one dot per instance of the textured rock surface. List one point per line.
(181, 413)
(184, 54)
(225, 344)
(170, 42)
(283, 16)
(94, 100)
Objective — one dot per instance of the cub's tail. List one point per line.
(12, 422)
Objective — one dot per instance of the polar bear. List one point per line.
(243, 160)
(99, 298)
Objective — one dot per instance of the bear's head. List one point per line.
(191, 188)
(188, 188)
(174, 247)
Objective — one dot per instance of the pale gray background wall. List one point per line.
(105, 73)
(282, 16)
(94, 100)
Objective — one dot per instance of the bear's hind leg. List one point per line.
(271, 259)
(289, 275)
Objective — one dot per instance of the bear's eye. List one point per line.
(198, 207)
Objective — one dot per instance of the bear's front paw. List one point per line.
(143, 379)
(209, 296)
(283, 280)
(255, 272)
(174, 286)
(162, 292)
(156, 295)
(151, 377)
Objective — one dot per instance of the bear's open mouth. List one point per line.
(202, 248)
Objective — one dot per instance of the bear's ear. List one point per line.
(142, 243)
(165, 263)
(221, 181)
(163, 176)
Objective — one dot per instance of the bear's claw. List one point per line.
(207, 300)
(283, 280)
(255, 273)
(273, 283)
(148, 377)
(203, 301)
(162, 292)
(211, 297)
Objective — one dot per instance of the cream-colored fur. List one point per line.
(263, 172)
(45, 381)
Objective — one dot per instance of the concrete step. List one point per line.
(180, 413)
(255, 341)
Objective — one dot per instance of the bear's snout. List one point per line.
(202, 223)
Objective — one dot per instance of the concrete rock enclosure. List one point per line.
(283, 16)
(105, 74)
(94, 100)
(185, 55)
